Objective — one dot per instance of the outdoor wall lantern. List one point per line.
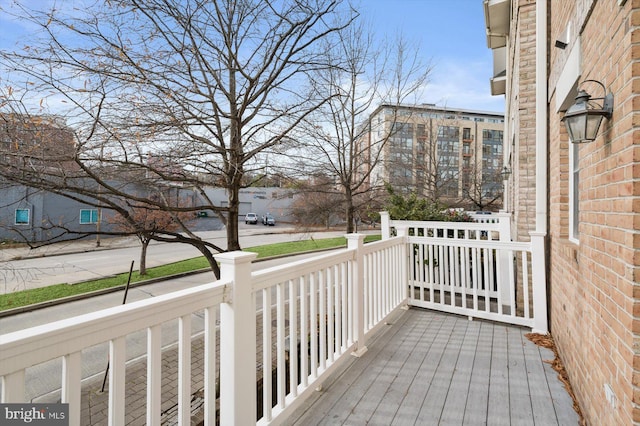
(583, 118)
(505, 173)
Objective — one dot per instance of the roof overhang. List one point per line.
(499, 79)
(499, 85)
(496, 17)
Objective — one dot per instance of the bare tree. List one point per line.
(145, 224)
(317, 202)
(441, 162)
(338, 133)
(168, 93)
(482, 187)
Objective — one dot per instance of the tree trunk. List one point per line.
(143, 256)
(233, 238)
(210, 259)
(350, 214)
(234, 169)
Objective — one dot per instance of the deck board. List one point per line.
(519, 391)
(416, 395)
(478, 397)
(498, 407)
(324, 412)
(539, 388)
(432, 407)
(435, 368)
(396, 392)
(453, 411)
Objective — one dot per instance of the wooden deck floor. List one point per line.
(429, 368)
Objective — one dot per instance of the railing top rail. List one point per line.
(488, 216)
(446, 225)
(268, 276)
(382, 244)
(459, 242)
(32, 346)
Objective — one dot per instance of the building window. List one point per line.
(492, 150)
(574, 192)
(88, 216)
(23, 216)
(402, 135)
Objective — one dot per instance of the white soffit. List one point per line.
(566, 87)
(499, 79)
(496, 17)
(499, 60)
(499, 85)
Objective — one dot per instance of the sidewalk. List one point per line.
(88, 245)
(20, 252)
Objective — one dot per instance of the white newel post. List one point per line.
(540, 323)
(356, 241)
(507, 275)
(401, 230)
(237, 341)
(385, 225)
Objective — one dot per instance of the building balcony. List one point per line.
(377, 333)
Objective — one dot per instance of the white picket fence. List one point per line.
(290, 326)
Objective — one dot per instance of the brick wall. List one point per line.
(594, 292)
(522, 112)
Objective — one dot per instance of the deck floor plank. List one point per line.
(475, 410)
(538, 386)
(519, 393)
(453, 411)
(559, 394)
(340, 384)
(499, 402)
(432, 408)
(386, 413)
(436, 368)
(417, 392)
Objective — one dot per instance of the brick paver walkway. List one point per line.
(95, 403)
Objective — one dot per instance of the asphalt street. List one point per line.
(73, 262)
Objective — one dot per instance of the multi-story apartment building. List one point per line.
(582, 195)
(451, 155)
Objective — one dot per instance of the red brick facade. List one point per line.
(594, 279)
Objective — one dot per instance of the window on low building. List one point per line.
(88, 216)
(23, 217)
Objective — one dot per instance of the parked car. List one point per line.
(251, 218)
(267, 219)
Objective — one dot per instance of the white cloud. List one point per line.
(463, 85)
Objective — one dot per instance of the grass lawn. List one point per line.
(45, 294)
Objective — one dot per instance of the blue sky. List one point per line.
(451, 34)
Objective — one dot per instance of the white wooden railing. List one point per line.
(475, 269)
(311, 315)
(290, 326)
